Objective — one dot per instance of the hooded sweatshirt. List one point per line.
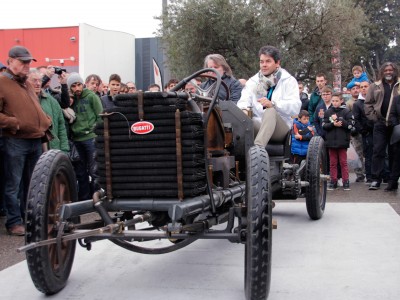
(87, 109)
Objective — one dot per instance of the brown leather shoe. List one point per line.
(18, 230)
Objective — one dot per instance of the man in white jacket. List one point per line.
(273, 96)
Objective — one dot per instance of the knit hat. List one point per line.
(74, 78)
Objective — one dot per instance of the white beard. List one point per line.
(388, 77)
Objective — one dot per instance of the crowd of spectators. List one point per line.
(34, 117)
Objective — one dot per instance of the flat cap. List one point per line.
(20, 52)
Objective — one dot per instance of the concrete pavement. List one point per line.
(351, 253)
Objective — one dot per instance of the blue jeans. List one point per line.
(82, 178)
(20, 157)
(87, 154)
(2, 205)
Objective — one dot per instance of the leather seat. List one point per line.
(280, 149)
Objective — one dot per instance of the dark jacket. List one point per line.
(300, 146)
(304, 101)
(235, 88)
(107, 101)
(318, 120)
(338, 137)
(315, 100)
(62, 96)
(362, 124)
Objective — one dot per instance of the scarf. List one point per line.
(265, 83)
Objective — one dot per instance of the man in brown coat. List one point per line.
(23, 125)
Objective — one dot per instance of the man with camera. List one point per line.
(62, 95)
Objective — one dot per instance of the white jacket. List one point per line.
(285, 97)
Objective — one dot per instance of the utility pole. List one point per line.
(164, 6)
(166, 73)
(336, 69)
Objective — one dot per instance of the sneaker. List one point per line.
(385, 181)
(18, 230)
(368, 181)
(360, 178)
(346, 185)
(375, 185)
(332, 186)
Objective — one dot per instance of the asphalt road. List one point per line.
(359, 194)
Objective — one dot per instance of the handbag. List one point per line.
(73, 152)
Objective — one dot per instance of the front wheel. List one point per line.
(52, 184)
(258, 245)
(316, 167)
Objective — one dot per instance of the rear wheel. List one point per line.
(316, 166)
(52, 184)
(259, 225)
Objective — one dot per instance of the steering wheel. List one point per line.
(208, 93)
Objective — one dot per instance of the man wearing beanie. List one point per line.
(23, 125)
(87, 107)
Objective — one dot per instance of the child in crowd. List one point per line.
(338, 122)
(302, 132)
(326, 95)
(359, 76)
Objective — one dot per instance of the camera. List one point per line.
(59, 70)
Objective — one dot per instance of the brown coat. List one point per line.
(21, 115)
(374, 99)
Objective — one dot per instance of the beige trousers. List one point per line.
(272, 127)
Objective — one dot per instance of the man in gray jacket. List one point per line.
(377, 107)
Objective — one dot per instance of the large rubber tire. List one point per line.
(53, 184)
(258, 245)
(316, 166)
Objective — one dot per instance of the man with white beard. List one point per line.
(377, 107)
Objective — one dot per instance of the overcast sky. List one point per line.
(132, 16)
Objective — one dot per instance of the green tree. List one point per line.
(380, 33)
(304, 30)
